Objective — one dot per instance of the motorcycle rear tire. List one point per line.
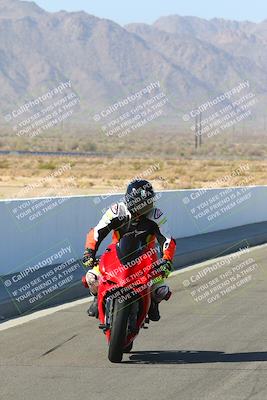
(118, 331)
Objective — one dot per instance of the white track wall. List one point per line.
(32, 229)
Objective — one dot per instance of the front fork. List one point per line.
(109, 305)
(133, 316)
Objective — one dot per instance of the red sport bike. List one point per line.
(124, 294)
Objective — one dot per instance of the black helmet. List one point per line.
(139, 197)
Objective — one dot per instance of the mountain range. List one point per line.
(194, 59)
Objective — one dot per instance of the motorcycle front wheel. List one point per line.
(119, 328)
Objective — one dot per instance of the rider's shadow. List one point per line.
(193, 357)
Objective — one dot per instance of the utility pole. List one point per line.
(198, 131)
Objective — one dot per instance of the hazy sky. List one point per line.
(125, 11)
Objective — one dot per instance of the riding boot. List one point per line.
(93, 309)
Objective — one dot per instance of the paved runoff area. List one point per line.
(210, 344)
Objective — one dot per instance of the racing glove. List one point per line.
(166, 268)
(88, 258)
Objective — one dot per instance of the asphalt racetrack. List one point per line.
(210, 344)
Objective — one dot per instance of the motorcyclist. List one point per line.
(136, 213)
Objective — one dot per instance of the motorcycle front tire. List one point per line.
(119, 326)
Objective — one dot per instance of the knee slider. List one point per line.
(92, 282)
(161, 293)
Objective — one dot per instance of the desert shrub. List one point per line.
(4, 164)
(47, 165)
(89, 146)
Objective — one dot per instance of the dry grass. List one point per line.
(32, 176)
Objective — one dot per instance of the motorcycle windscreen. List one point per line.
(127, 263)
